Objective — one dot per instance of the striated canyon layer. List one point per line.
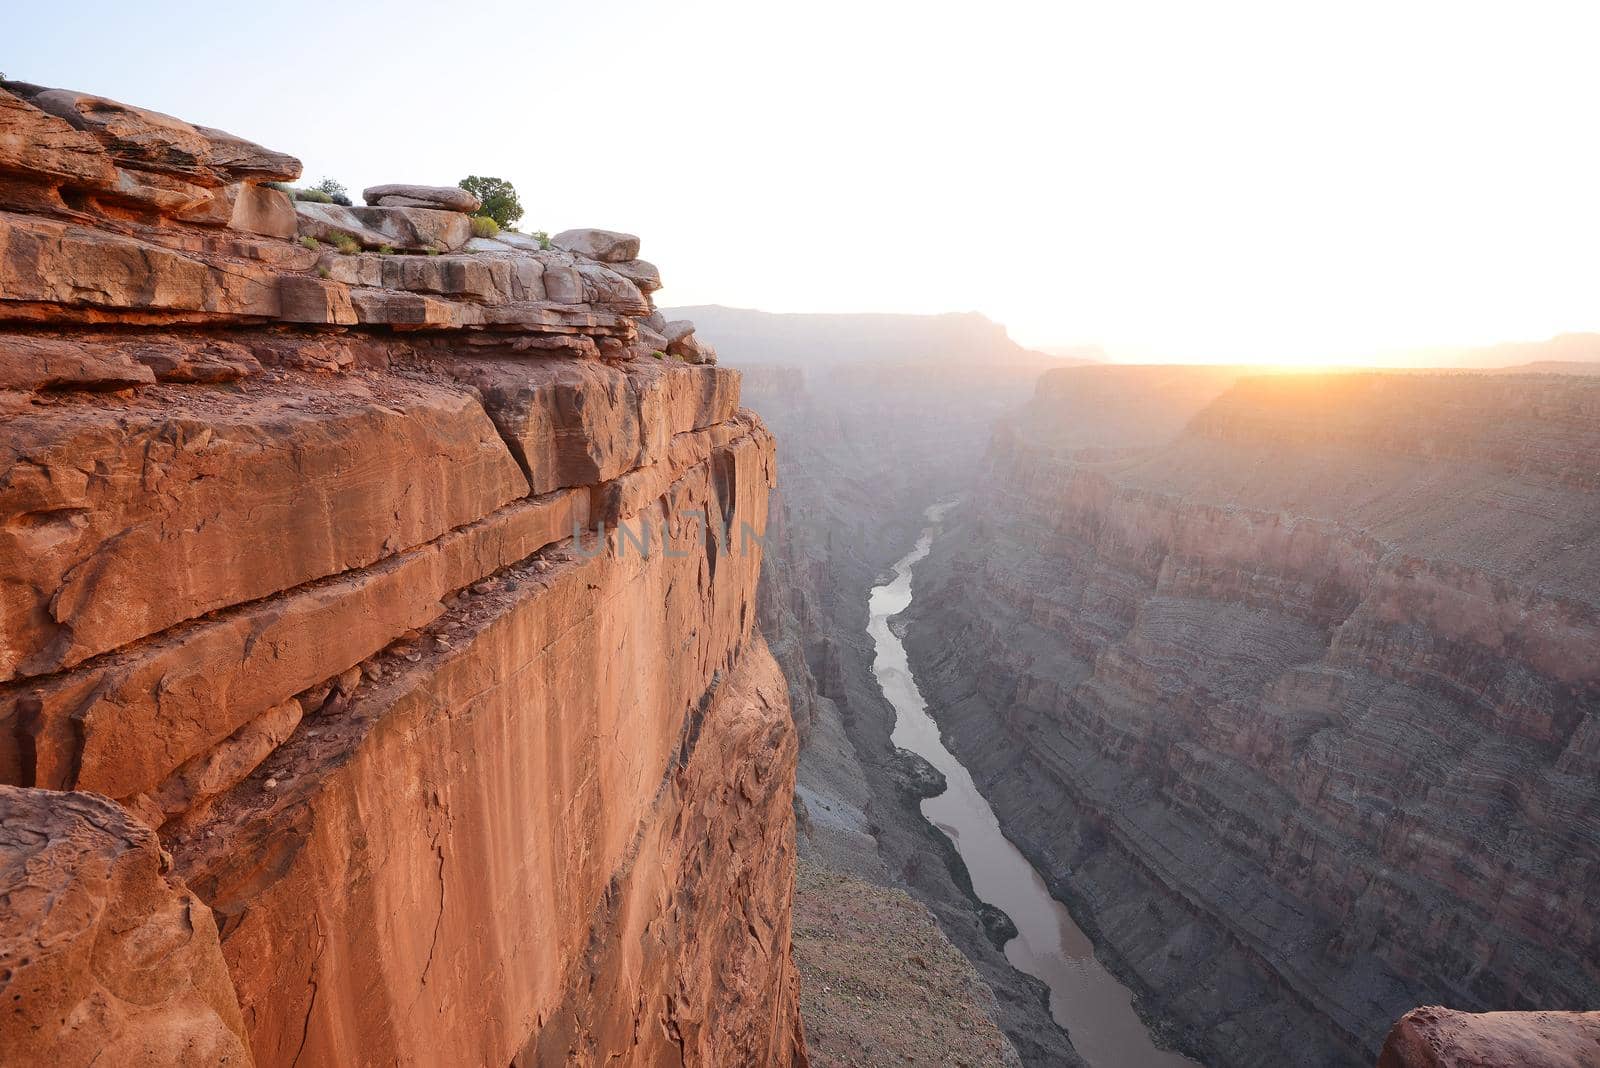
(1298, 708)
(379, 672)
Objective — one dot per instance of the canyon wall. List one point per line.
(867, 446)
(377, 615)
(1298, 705)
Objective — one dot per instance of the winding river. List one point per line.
(1094, 1008)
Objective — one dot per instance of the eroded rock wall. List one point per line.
(1297, 709)
(407, 592)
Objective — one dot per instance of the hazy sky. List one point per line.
(1274, 180)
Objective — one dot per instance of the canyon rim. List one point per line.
(419, 646)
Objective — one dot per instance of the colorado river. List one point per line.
(1094, 1008)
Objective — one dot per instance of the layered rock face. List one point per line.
(1297, 709)
(409, 598)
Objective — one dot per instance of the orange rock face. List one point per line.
(105, 956)
(1435, 1037)
(408, 599)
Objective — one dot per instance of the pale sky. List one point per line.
(1230, 180)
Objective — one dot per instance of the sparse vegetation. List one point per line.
(311, 243)
(543, 238)
(346, 244)
(323, 272)
(386, 250)
(334, 191)
(430, 250)
(499, 197)
(484, 226)
(658, 354)
(326, 191)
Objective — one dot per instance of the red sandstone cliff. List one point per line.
(1297, 707)
(312, 562)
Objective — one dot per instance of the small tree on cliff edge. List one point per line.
(335, 190)
(499, 198)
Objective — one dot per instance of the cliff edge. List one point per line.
(403, 583)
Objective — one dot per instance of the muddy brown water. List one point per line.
(1089, 1003)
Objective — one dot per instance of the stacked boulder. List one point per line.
(439, 197)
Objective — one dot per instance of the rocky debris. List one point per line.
(607, 246)
(443, 197)
(881, 984)
(225, 764)
(1436, 1037)
(208, 362)
(1342, 685)
(105, 955)
(271, 553)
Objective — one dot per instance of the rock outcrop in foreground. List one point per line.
(1434, 1037)
(377, 583)
(1299, 708)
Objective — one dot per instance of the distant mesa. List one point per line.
(805, 339)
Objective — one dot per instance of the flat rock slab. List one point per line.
(607, 246)
(105, 958)
(41, 363)
(443, 197)
(126, 520)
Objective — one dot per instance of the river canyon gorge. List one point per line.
(417, 647)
